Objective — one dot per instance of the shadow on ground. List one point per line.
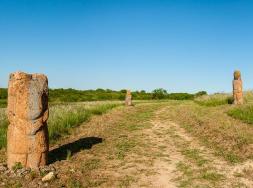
(61, 152)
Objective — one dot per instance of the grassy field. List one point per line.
(205, 142)
(220, 125)
(63, 118)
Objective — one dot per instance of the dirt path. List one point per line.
(136, 147)
(189, 164)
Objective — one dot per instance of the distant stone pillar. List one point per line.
(128, 100)
(27, 137)
(237, 88)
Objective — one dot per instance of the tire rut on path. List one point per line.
(190, 164)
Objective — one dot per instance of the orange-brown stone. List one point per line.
(27, 137)
(237, 88)
(128, 100)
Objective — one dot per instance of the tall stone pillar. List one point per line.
(27, 137)
(128, 100)
(237, 88)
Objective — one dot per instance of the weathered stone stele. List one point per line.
(128, 100)
(237, 88)
(27, 137)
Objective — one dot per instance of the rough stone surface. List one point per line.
(237, 88)
(50, 176)
(128, 100)
(27, 137)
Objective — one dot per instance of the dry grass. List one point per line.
(214, 100)
(230, 138)
(120, 149)
(222, 99)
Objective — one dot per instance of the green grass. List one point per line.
(62, 119)
(123, 147)
(211, 176)
(3, 103)
(194, 154)
(244, 113)
(92, 164)
(126, 181)
(65, 118)
(3, 128)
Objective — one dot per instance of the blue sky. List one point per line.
(179, 45)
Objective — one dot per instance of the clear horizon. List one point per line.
(181, 46)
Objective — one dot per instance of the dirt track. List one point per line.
(137, 147)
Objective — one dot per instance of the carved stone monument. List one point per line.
(237, 88)
(27, 137)
(128, 100)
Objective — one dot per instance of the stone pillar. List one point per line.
(128, 100)
(237, 88)
(27, 136)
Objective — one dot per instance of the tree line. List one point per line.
(73, 95)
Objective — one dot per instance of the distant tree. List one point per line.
(100, 90)
(200, 93)
(123, 91)
(159, 93)
(109, 90)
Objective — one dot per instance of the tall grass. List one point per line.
(63, 118)
(3, 128)
(248, 97)
(214, 100)
(222, 99)
(244, 113)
